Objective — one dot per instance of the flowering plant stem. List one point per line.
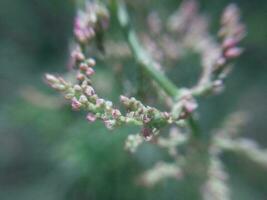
(145, 61)
(141, 56)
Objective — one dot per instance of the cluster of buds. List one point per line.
(84, 65)
(94, 18)
(58, 83)
(159, 172)
(185, 106)
(216, 184)
(232, 32)
(83, 97)
(133, 142)
(150, 116)
(216, 57)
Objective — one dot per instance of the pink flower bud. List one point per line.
(89, 71)
(100, 102)
(190, 105)
(233, 52)
(83, 66)
(91, 117)
(124, 99)
(77, 55)
(75, 104)
(89, 91)
(109, 124)
(80, 77)
(229, 43)
(116, 113)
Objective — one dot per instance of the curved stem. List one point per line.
(141, 56)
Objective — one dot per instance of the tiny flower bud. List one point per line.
(89, 71)
(100, 102)
(80, 77)
(229, 43)
(83, 66)
(69, 96)
(233, 52)
(77, 55)
(59, 87)
(51, 78)
(190, 105)
(109, 104)
(77, 88)
(89, 91)
(124, 99)
(91, 117)
(166, 115)
(83, 99)
(91, 62)
(116, 113)
(109, 124)
(75, 104)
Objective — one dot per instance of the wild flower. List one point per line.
(184, 143)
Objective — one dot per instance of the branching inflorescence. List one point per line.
(186, 29)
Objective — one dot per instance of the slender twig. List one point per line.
(141, 56)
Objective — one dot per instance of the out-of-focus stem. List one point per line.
(192, 123)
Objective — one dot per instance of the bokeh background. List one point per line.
(49, 152)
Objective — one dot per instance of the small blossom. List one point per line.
(83, 66)
(51, 78)
(91, 117)
(91, 62)
(69, 96)
(233, 52)
(89, 91)
(124, 99)
(132, 142)
(229, 42)
(89, 71)
(83, 99)
(80, 77)
(100, 102)
(110, 124)
(77, 88)
(77, 55)
(116, 113)
(108, 104)
(75, 104)
(190, 105)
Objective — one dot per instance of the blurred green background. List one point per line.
(49, 152)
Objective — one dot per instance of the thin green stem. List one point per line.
(141, 56)
(192, 123)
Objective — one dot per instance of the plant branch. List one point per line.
(141, 56)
